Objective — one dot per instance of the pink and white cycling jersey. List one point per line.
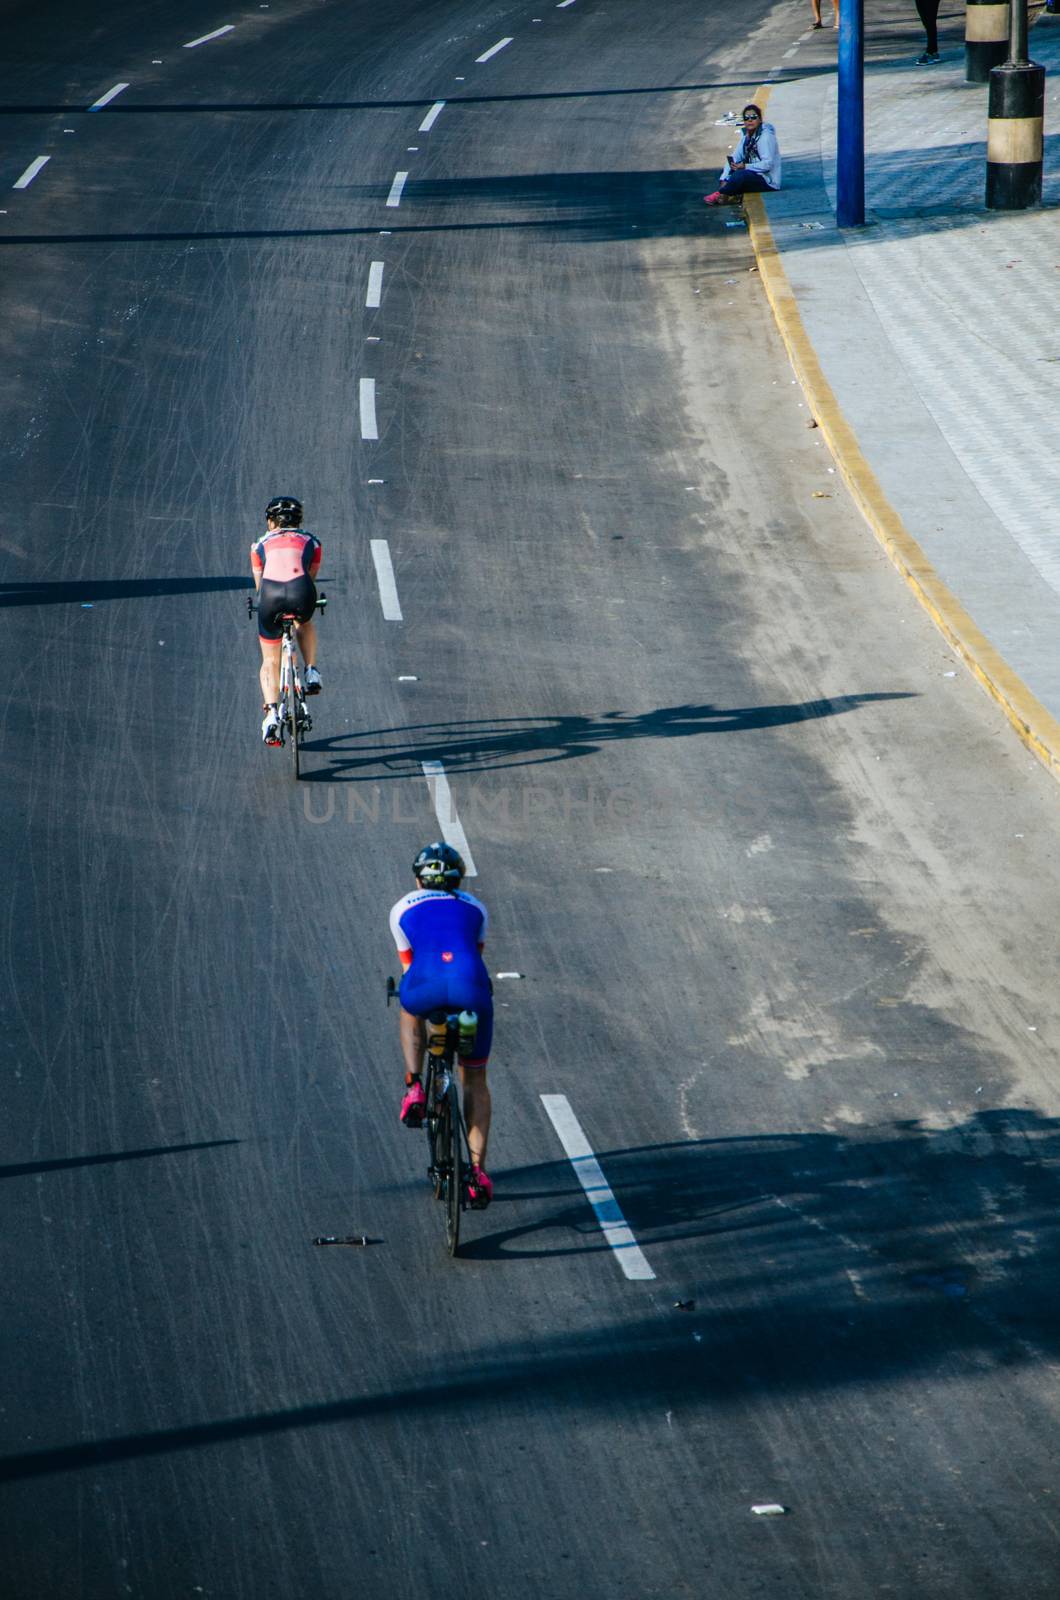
(287, 554)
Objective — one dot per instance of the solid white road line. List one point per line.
(432, 116)
(492, 51)
(369, 427)
(384, 571)
(394, 197)
(105, 99)
(375, 285)
(445, 811)
(31, 172)
(589, 1174)
(206, 37)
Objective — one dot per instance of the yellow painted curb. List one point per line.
(1038, 729)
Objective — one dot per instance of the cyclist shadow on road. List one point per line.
(829, 1261)
(818, 1253)
(496, 742)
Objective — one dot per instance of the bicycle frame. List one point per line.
(295, 721)
(450, 1156)
(449, 1164)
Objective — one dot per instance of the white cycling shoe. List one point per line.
(270, 727)
(312, 683)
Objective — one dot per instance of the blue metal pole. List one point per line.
(850, 133)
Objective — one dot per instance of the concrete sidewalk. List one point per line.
(929, 345)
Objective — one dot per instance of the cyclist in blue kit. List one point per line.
(440, 932)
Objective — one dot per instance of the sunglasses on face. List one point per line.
(751, 116)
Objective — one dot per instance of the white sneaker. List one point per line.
(313, 682)
(270, 727)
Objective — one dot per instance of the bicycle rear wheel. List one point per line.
(455, 1177)
(434, 1143)
(296, 732)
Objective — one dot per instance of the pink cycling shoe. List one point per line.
(414, 1105)
(479, 1189)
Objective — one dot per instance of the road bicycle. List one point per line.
(294, 719)
(449, 1163)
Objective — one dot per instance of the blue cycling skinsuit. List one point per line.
(439, 938)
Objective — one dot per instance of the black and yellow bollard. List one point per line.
(986, 28)
(1014, 137)
(1014, 130)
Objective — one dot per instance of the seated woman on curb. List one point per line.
(753, 165)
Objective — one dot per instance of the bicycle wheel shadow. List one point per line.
(903, 1205)
(554, 1203)
(398, 753)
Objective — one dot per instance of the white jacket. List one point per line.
(768, 162)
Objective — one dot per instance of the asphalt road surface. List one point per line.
(779, 884)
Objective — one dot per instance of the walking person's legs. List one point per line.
(928, 11)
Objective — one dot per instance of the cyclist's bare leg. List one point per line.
(413, 1041)
(270, 671)
(478, 1108)
(306, 634)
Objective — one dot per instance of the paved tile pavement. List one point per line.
(937, 327)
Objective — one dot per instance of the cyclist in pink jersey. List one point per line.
(284, 564)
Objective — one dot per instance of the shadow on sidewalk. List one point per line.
(797, 213)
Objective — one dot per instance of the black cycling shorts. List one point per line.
(278, 600)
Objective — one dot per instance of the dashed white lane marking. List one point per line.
(444, 809)
(384, 571)
(589, 1174)
(563, 4)
(206, 37)
(432, 116)
(31, 172)
(394, 197)
(789, 53)
(375, 285)
(369, 426)
(105, 99)
(492, 51)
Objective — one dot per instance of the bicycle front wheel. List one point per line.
(455, 1178)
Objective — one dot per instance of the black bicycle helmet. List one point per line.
(285, 510)
(439, 866)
